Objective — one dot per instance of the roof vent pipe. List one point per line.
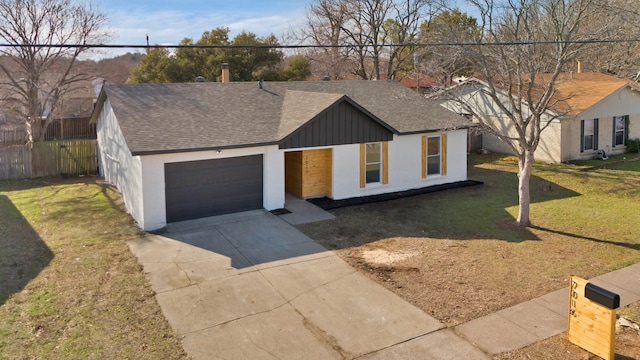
(225, 73)
(260, 84)
(579, 67)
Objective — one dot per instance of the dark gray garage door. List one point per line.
(196, 189)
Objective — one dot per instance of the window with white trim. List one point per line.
(373, 163)
(619, 125)
(434, 155)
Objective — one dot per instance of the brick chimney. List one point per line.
(225, 73)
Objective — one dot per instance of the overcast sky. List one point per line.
(169, 21)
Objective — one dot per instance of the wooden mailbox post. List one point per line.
(592, 318)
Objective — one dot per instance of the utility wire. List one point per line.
(311, 46)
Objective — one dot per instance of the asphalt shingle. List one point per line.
(157, 118)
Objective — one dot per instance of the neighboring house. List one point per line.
(421, 83)
(185, 151)
(592, 112)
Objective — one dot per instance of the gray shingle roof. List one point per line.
(157, 118)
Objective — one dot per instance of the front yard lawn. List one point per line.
(458, 255)
(70, 288)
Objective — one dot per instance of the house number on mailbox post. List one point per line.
(592, 317)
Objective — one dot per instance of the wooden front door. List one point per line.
(308, 173)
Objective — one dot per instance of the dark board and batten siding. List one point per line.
(197, 189)
(339, 125)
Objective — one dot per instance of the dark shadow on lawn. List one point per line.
(456, 213)
(23, 254)
(601, 241)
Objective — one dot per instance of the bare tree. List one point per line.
(444, 61)
(364, 30)
(369, 27)
(404, 28)
(324, 22)
(37, 73)
(619, 58)
(542, 38)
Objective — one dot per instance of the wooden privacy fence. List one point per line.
(49, 158)
(60, 129)
(12, 134)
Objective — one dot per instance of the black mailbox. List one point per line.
(602, 296)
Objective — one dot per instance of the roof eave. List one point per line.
(452, 128)
(97, 109)
(208, 148)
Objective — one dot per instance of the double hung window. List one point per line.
(619, 127)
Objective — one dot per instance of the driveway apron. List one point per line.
(251, 286)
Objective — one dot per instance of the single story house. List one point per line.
(590, 112)
(192, 150)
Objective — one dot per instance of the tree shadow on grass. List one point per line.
(23, 254)
(601, 241)
(470, 213)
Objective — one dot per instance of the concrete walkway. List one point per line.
(250, 285)
(302, 211)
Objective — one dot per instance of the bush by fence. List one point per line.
(49, 158)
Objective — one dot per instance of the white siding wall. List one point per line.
(154, 186)
(117, 166)
(405, 166)
(140, 179)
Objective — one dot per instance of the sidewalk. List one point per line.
(506, 330)
(538, 319)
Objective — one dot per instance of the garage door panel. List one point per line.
(213, 187)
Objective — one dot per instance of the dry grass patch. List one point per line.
(468, 257)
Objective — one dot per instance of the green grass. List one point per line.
(71, 288)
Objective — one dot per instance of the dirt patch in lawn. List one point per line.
(458, 254)
(382, 257)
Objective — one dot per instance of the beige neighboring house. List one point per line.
(593, 112)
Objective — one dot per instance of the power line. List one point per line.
(319, 46)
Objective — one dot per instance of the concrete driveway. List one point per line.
(251, 286)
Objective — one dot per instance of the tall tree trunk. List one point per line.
(29, 131)
(525, 168)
